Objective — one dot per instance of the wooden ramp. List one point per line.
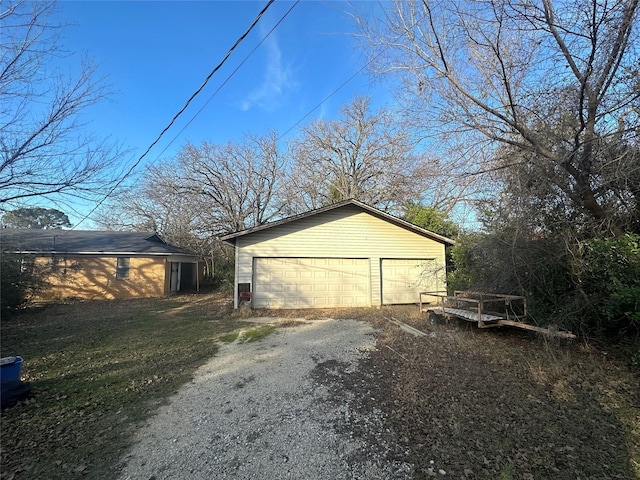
(487, 309)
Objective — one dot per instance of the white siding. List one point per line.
(347, 232)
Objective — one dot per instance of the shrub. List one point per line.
(19, 278)
(610, 277)
(591, 286)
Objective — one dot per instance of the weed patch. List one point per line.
(230, 337)
(255, 333)
(502, 404)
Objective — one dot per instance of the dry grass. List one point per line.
(479, 404)
(505, 404)
(98, 369)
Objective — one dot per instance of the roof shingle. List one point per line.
(85, 242)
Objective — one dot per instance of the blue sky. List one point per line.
(156, 54)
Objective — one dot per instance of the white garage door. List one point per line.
(403, 279)
(311, 282)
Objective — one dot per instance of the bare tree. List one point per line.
(206, 191)
(365, 155)
(209, 189)
(156, 205)
(555, 81)
(242, 183)
(44, 147)
(153, 204)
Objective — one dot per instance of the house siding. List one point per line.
(95, 278)
(347, 232)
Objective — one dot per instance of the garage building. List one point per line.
(348, 254)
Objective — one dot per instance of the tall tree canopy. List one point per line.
(207, 189)
(431, 219)
(555, 83)
(367, 155)
(36, 217)
(153, 205)
(242, 183)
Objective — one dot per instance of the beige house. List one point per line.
(102, 264)
(344, 255)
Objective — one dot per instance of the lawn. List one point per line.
(475, 404)
(98, 369)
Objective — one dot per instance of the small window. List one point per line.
(122, 267)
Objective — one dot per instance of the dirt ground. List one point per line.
(501, 404)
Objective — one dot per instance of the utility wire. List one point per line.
(175, 117)
(342, 85)
(336, 90)
(325, 99)
(227, 80)
(318, 105)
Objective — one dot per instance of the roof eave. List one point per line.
(231, 237)
(129, 254)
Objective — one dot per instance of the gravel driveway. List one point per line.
(272, 409)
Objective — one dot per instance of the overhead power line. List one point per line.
(343, 84)
(175, 117)
(235, 70)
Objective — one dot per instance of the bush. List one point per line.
(506, 263)
(18, 280)
(593, 289)
(466, 267)
(509, 263)
(223, 276)
(610, 277)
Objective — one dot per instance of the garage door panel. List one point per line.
(319, 274)
(320, 302)
(403, 279)
(310, 282)
(352, 288)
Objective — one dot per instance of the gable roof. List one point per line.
(85, 242)
(231, 237)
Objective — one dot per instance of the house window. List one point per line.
(122, 267)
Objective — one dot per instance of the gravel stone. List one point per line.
(272, 409)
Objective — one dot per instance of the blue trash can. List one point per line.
(10, 368)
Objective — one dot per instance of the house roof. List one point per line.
(231, 237)
(86, 242)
